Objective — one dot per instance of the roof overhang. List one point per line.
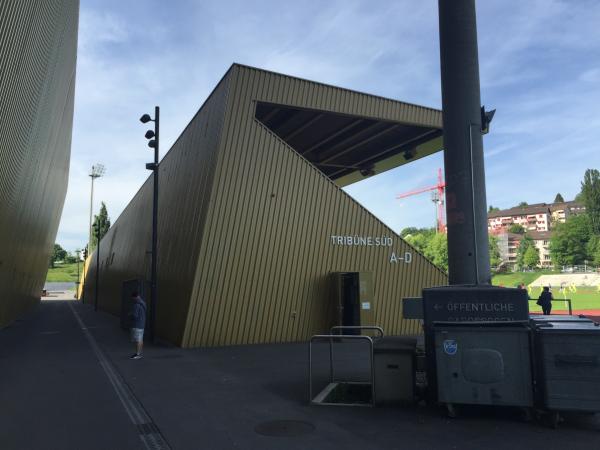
(348, 148)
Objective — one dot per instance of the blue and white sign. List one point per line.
(450, 347)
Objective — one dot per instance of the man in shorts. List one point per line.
(138, 323)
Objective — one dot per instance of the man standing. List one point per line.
(138, 323)
(545, 301)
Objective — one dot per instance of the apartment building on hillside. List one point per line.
(508, 245)
(541, 240)
(532, 218)
(561, 211)
(536, 217)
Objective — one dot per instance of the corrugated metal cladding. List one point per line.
(185, 178)
(38, 47)
(256, 228)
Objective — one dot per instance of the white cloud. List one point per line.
(538, 68)
(97, 28)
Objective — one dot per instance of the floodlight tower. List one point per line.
(98, 170)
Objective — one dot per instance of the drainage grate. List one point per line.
(284, 428)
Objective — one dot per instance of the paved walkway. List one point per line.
(66, 383)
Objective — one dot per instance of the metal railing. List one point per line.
(566, 300)
(357, 327)
(338, 338)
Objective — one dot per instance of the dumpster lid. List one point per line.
(568, 327)
(561, 318)
(395, 343)
(481, 324)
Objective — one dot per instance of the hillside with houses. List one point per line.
(531, 223)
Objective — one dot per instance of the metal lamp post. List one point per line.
(97, 287)
(78, 253)
(85, 255)
(97, 171)
(153, 166)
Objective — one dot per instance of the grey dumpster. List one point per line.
(568, 366)
(394, 360)
(538, 320)
(483, 365)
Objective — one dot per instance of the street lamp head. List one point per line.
(152, 144)
(145, 118)
(149, 134)
(98, 170)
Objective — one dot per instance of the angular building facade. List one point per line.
(257, 242)
(38, 48)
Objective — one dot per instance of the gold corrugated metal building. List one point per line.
(256, 238)
(38, 48)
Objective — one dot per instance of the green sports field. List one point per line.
(63, 273)
(584, 298)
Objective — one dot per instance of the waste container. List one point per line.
(568, 366)
(538, 320)
(483, 364)
(394, 360)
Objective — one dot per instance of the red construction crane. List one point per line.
(437, 197)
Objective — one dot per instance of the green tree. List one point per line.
(593, 250)
(418, 241)
(569, 242)
(522, 205)
(414, 231)
(531, 258)
(493, 209)
(58, 254)
(70, 258)
(525, 243)
(437, 250)
(516, 228)
(495, 259)
(559, 198)
(590, 193)
(103, 221)
(418, 237)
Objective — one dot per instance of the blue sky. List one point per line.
(539, 65)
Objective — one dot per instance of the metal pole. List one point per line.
(78, 279)
(97, 266)
(84, 273)
(91, 210)
(466, 210)
(154, 285)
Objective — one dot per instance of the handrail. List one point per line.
(349, 327)
(330, 337)
(559, 300)
(358, 327)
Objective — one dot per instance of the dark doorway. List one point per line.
(350, 300)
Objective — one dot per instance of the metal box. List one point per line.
(467, 304)
(540, 320)
(394, 360)
(568, 366)
(483, 365)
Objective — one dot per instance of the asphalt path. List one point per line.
(53, 392)
(66, 382)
